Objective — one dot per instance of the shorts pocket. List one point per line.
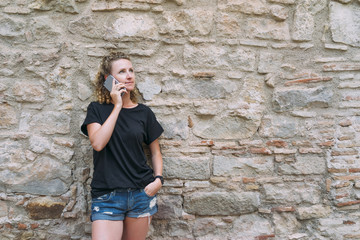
(143, 190)
(103, 198)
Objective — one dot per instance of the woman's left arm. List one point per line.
(152, 188)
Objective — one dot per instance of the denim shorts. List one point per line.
(118, 204)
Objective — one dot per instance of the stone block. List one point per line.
(225, 127)
(170, 207)
(39, 144)
(195, 22)
(137, 26)
(221, 203)
(266, 29)
(279, 127)
(45, 208)
(44, 176)
(286, 99)
(279, 13)
(345, 23)
(3, 209)
(283, 1)
(304, 165)
(285, 224)
(257, 7)
(207, 226)
(67, 6)
(270, 62)
(205, 56)
(86, 26)
(243, 59)
(228, 25)
(231, 166)
(315, 211)
(174, 127)
(148, 88)
(50, 122)
(292, 193)
(7, 116)
(11, 28)
(29, 92)
(191, 168)
(250, 226)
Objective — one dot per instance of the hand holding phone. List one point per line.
(109, 82)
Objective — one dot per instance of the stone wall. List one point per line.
(260, 102)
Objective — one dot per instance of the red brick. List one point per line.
(327, 144)
(341, 196)
(348, 222)
(260, 151)
(204, 74)
(34, 225)
(22, 226)
(277, 143)
(354, 170)
(308, 80)
(344, 153)
(265, 237)
(248, 180)
(347, 177)
(334, 170)
(328, 184)
(348, 203)
(283, 209)
(8, 225)
(203, 143)
(337, 67)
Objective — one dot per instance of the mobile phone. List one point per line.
(108, 83)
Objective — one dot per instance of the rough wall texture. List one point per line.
(260, 102)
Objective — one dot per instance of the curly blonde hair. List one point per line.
(102, 94)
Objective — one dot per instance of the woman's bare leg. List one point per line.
(136, 228)
(107, 230)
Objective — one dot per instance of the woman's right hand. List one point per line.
(115, 93)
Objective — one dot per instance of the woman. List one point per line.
(123, 187)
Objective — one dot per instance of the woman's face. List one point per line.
(123, 71)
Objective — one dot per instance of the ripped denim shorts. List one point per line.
(118, 204)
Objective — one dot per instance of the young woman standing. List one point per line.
(124, 186)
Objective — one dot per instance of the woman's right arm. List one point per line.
(100, 135)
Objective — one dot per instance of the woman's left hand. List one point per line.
(152, 188)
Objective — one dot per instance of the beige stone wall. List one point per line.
(260, 102)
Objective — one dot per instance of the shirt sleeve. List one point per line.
(153, 128)
(91, 117)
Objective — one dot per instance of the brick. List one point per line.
(265, 237)
(248, 180)
(264, 151)
(285, 151)
(350, 203)
(336, 46)
(308, 80)
(328, 184)
(335, 170)
(283, 209)
(203, 75)
(310, 150)
(277, 143)
(34, 226)
(354, 170)
(22, 226)
(347, 177)
(344, 152)
(338, 67)
(203, 143)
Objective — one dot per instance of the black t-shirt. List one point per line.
(122, 163)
